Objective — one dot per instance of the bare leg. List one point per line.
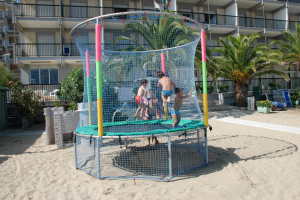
(174, 116)
(156, 141)
(142, 110)
(137, 111)
(164, 100)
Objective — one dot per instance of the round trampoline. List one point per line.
(118, 136)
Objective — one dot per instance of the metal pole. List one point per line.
(98, 159)
(170, 156)
(206, 147)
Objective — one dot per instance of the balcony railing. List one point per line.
(46, 91)
(40, 49)
(260, 23)
(292, 24)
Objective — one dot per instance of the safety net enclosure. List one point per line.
(120, 52)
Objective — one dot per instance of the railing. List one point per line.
(292, 24)
(260, 23)
(260, 82)
(40, 49)
(47, 92)
(37, 10)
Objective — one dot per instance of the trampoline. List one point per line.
(118, 52)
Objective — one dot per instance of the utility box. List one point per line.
(251, 103)
(3, 107)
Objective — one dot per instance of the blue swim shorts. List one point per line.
(174, 112)
(167, 93)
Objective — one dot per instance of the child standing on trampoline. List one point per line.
(166, 84)
(141, 99)
(178, 104)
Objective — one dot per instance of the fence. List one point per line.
(46, 91)
(260, 82)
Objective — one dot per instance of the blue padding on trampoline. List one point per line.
(279, 104)
(183, 125)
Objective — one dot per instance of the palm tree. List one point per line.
(159, 33)
(240, 62)
(212, 67)
(291, 50)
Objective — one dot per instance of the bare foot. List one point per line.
(169, 99)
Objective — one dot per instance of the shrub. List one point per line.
(273, 84)
(5, 76)
(223, 87)
(73, 86)
(25, 99)
(265, 103)
(199, 87)
(210, 87)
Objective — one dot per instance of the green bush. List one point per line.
(73, 86)
(199, 87)
(274, 84)
(223, 87)
(5, 76)
(210, 87)
(25, 99)
(265, 103)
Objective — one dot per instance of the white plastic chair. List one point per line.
(125, 95)
(53, 95)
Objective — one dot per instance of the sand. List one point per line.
(244, 163)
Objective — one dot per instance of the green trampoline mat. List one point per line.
(146, 127)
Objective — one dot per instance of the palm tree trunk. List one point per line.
(240, 94)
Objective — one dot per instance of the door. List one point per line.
(242, 19)
(45, 8)
(46, 44)
(78, 9)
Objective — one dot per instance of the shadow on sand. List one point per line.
(245, 150)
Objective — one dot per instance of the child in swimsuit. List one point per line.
(178, 104)
(166, 84)
(152, 112)
(141, 99)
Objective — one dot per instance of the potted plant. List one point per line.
(222, 88)
(210, 89)
(295, 99)
(264, 106)
(199, 88)
(273, 86)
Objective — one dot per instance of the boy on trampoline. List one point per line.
(141, 99)
(166, 84)
(178, 104)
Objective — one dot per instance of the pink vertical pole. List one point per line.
(163, 68)
(87, 64)
(87, 56)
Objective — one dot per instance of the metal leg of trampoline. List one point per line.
(74, 141)
(198, 141)
(170, 156)
(206, 147)
(98, 158)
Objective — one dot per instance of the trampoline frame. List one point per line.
(169, 144)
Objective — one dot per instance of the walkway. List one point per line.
(261, 125)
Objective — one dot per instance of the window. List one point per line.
(210, 17)
(118, 8)
(186, 12)
(43, 75)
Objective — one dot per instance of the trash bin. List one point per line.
(250, 103)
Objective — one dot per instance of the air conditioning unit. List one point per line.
(67, 51)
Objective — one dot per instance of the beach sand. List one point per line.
(245, 162)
